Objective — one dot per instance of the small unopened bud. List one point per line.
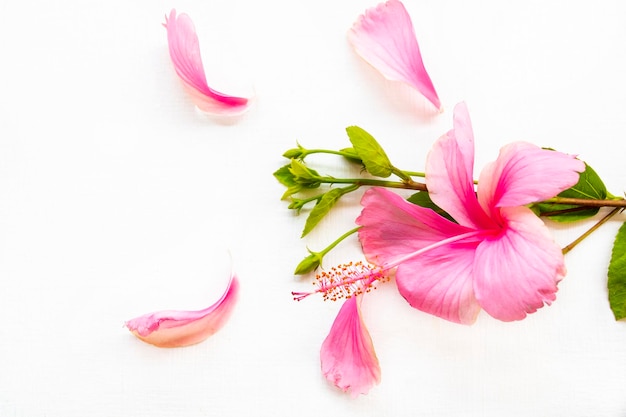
(308, 264)
(297, 203)
(293, 153)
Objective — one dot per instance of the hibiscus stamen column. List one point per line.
(345, 281)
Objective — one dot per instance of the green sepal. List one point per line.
(309, 264)
(589, 186)
(286, 178)
(617, 275)
(298, 203)
(422, 199)
(321, 209)
(370, 152)
(303, 175)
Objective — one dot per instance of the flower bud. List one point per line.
(308, 264)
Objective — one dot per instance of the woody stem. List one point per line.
(606, 218)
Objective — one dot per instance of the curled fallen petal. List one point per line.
(185, 54)
(384, 37)
(178, 328)
(347, 356)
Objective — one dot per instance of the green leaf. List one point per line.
(589, 186)
(617, 275)
(321, 209)
(422, 199)
(371, 153)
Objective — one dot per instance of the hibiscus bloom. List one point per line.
(498, 255)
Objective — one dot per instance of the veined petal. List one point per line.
(174, 328)
(392, 228)
(185, 54)
(385, 38)
(517, 272)
(450, 170)
(439, 282)
(347, 355)
(525, 173)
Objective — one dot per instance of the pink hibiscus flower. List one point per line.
(498, 255)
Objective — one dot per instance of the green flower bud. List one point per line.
(295, 153)
(308, 264)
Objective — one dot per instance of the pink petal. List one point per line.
(172, 328)
(347, 355)
(525, 173)
(437, 281)
(391, 227)
(185, 54)
(449, 173)
(517, 272)
(385, 38)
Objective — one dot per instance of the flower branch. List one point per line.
(588, 202)
(457, 245)
(592, 229)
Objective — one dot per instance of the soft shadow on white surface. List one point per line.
(118, 198)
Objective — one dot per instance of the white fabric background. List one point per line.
(118, 198)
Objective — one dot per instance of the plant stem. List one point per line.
(415, 174)
(587, 202)
(412, 185)
(374, 182)
(593, 228)
(307, 152)
(338, 241)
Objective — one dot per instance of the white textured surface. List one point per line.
(117, 198)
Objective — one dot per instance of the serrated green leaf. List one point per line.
(321, 209)
(589, 186)
(617, 275)
(422, 199)
(371, 153)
